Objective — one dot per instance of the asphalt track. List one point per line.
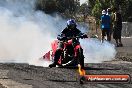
(40, 77)
(44, 77)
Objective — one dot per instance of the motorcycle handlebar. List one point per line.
(67, 38)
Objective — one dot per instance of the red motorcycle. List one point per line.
(72, 52)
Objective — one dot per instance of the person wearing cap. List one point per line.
(70, 31)
(105, 26)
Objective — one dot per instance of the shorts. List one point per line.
(105, 32)
(117, 33)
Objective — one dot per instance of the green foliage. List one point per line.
(60, 4)
(46, 5)
(125, 7)
(93, 8)
(96, 11)
(84, 10)
(51, 6)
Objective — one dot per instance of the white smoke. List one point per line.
(26, 35)
(97, 52)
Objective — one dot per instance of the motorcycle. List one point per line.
(71, 53)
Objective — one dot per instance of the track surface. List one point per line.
(42, 77)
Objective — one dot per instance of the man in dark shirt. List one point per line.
(117, 27)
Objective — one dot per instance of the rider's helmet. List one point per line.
(71, 23)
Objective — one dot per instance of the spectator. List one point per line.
(109, 12)
(105, 25)
(117, 27)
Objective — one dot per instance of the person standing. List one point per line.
(105, 26)
(117, 27)
(109, 12)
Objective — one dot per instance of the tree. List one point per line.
(93, 7)
(60, 6)
(96, 11)
(47, 6)
(84, 10)
(126, 6)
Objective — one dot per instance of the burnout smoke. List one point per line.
(97, 52)
(26, 35)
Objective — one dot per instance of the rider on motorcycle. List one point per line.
(70, 31)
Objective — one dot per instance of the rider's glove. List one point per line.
(81, 36)
(85, 36)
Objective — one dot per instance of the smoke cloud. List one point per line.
(97, 52)
(26, 35)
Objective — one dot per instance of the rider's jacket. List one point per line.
(67, 32)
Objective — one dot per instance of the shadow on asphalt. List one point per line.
(90, 68)
(62, 80)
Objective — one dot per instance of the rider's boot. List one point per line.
(53, 65)
(56, 58)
